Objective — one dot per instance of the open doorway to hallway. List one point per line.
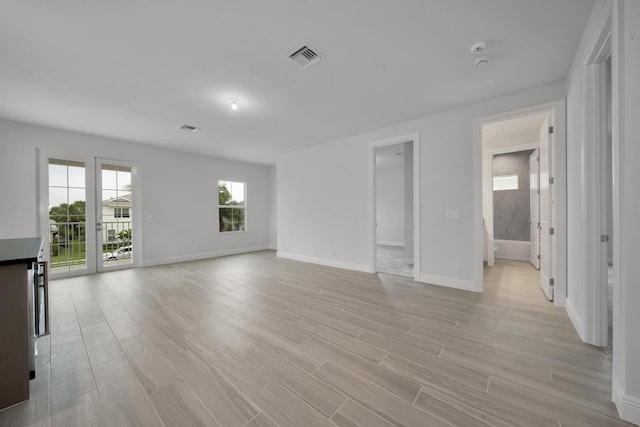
(516, 196)
(394, 245)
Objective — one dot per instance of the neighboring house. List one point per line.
(116, 217)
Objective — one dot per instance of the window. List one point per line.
(505, 182)
(111, 235)
(121, 212)
(231, 206)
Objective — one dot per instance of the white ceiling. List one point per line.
(527, 125)
(138, 69)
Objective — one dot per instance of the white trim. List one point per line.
(390, 243)
(415, 138)
(325, 261)
(557, 114)
(594, 190)
(628, 406)
(203, 255)
(575, 318)
(517, 250)
(449, 282)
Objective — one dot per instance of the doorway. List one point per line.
(394, 179)
(394, 208)
(86, 213)
(518, 195)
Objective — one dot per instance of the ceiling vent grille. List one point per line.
(189, 128)
(305, 57)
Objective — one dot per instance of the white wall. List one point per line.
(390, 206)
(626, 106)
(317, 223)
(174, 186)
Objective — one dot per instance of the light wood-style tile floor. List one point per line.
(253, 340)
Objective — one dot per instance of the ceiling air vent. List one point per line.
(189, 128)
(305, 57)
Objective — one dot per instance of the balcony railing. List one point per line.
(67, 243)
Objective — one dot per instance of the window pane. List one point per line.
(76, 174)
(57, 173)
(238, 219)
(226, 219)
(109, 178)
(124, 179)
(237, 192)
(505, 182)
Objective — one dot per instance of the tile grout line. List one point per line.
(418, 395)
(339, 407)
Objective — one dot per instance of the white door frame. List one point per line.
(596, 319)
(487, 190)
(415, 138)
(557, 115)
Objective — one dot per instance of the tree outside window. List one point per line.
(231, 206)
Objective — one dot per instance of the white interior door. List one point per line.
(546, 217)
(114, 214)
(534, 206)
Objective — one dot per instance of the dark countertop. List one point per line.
(19, 251)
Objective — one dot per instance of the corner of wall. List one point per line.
(628, 406)
(575, 318)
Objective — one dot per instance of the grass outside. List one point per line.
(75, 253)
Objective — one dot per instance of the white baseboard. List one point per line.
(575, 318)
(202, 255)
(390, 243)
(628, 406)
(512, 249)
(449, 282)
(326, 262)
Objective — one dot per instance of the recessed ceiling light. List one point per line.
(234, 104)
(190, 128)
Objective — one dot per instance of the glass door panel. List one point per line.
(115, 216)
(67, 225)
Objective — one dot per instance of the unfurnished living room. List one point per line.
(317, 213)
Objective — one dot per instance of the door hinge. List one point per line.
(551, 180)
(552, 231)
(538, 256)
(550, 129)
(552, 281)
(604, 238)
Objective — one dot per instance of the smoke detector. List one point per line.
(305, 57)
(482, 62)
(478, 48)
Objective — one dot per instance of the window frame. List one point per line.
(118, 212)
(242, 206)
